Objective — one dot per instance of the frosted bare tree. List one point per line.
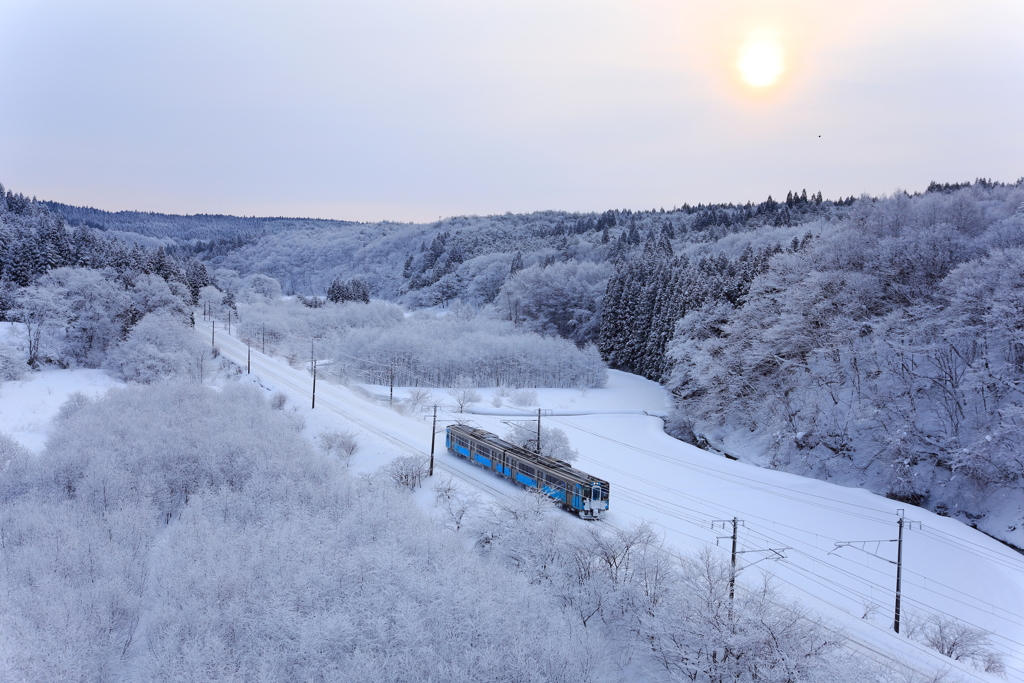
(463, 393)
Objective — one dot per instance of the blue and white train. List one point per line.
(575, 490)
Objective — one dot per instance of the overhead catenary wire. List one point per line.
(770, 539)
(694, 519)
(866, 582)
(785, 492)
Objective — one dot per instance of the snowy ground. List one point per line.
(27, 406)
(683, 491)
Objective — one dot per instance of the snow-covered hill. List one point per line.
(949, 569)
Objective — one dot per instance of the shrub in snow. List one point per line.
(257, 287)
(9, 450)
(342, 444)
(960, 641)
(12, 364)
(75, 402)
(407, 471)
(278, 400)
(524, 398)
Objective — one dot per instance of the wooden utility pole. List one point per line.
(248, 358)
(433, 435)
(314, 384)
(213, 334)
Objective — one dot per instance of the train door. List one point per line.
(501, 462)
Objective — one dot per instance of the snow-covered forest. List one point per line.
(185, 527)
(873, 341)
(173, 532)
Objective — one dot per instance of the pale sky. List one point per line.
(410, 110)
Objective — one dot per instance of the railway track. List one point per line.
(331, 398)
(355, 411)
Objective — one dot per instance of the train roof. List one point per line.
(498, 442)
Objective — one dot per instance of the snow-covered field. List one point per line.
(27, 406)
(789, 525)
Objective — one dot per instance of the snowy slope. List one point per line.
(948, 568)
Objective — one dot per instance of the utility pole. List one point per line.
(248, 358)
(902, 523)
(314, 384)
(229, 321)
(538, 431)
(264, 338)
(899, 576)
(213, 334)
(735, 537)
(732, 574)
(770, 553)
(433, 434)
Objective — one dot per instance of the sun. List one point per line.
(761, 61)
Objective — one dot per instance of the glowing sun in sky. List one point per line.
(760, 62)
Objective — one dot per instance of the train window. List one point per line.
(527, 470)
(554, 481)
(484, 451)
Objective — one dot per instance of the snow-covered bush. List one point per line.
(524, 398)
(342, 444)
(160, 346)
(963, 642)
(9, 450)
(12, 364)
(75, 402)
(407, 471)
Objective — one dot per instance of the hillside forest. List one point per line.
(870, 341)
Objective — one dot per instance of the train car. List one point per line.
(575, 490)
